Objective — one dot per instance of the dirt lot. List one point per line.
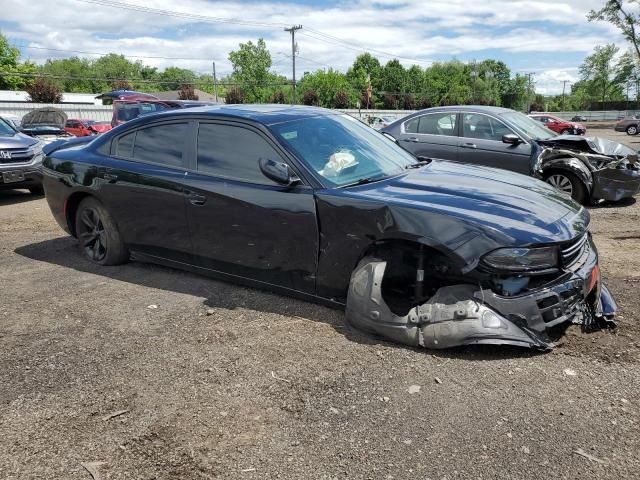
(143, 372)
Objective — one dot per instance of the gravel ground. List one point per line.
(143, 372)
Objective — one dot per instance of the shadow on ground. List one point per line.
(626, 202)
(12, 197)
(218, 294)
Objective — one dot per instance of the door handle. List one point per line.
(110, 177)
(468, 145)
(196, 199)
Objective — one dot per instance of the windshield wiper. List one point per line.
(422, 161)
(365, 180)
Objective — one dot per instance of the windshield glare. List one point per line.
(528, 126)
(342, 150)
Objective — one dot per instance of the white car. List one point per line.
(378, 122)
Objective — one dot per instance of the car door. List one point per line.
(433, 135)
(481, 144)
(72, 126)
(243, 223)
(142, 186)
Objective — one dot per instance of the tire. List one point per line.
(566, 131)
(37, 190)
(567, 182)
(98, 236)
(632, 130)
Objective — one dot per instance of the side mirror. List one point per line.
(511, 139)
(279, 172)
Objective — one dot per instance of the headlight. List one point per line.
(36, 151)
(522, 259)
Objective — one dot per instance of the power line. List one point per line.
(191, 81)
(321, 36)
(31, 47)
(330, 39)
(188, 16)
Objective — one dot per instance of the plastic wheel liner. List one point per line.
(465, 314)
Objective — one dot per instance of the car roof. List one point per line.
(469, 108)
(268, 114)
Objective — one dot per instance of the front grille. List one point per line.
(572, 250)
(561, 305)
(15, 155)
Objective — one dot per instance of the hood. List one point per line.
(18, 140)
(44, 117)
(508, 208)
(596, 145)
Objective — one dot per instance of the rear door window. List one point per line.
(162, 144)
(441, 123)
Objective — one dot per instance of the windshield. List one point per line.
(342, 149)
(528, 126)
(6, 130)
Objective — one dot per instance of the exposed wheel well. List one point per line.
(401, 288)
(71, 208)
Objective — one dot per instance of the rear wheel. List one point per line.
(568, 183)
(632, 130)
(100, 240)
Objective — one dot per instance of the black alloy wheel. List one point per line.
(92, 235)
(99, 238)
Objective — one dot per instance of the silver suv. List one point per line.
(20, 160)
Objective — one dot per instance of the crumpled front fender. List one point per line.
(464, 314)
(546, 158)
(452, 317)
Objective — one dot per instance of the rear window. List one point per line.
(129, 111)
(162, 144)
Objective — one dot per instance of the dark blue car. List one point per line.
(313, 203)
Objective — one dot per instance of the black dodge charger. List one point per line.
(314, 203)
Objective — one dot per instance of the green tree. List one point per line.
(251, 64)
(10, 64)
(172, 78)
(394, 77)
(73, 74)
(619, 15)
(447, 83)
(112, 67)
(331, 87)
(366, 68)
(601, 71)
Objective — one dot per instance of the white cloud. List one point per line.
(412, 29)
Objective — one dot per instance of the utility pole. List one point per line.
(528, 75)
(564, 83)
(292, 31)
(215, 82)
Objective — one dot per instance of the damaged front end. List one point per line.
(609, 170)
(516, 310)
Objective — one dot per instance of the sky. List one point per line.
(548, 38)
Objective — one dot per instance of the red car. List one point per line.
(82, 127)
(559, 125)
